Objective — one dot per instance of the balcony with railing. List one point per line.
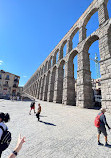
(15, 85)
(5, 85)
(7, 78)
(16, 80)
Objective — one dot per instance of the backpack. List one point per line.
(97, 121)
(5, 139)
(32, 104)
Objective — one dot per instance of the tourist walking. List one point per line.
(32, 106)
(38, 112)
(100, 123)
(3, 132)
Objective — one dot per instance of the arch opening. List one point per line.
(47, 86)
(61, 74)
(92, 24)
(75, 38)
(50, 63)
(57, 56)
(92, 66)
(39, 88)
(43, 70)
(63, 50)
(42, 87)
(52, 84)
(46, 66)
(109, 8)
(36, 88)
(72, 77)
(109, 39)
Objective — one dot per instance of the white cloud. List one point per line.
(1, 62)
(24, 76)
(21, 85)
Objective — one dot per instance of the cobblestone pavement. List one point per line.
(64, 131)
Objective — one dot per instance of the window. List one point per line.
(16, 79)
(6, 84)
(7, 77)
(99, 84)
(0, 76)
(15, 85)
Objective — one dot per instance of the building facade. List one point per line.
(8, 84)
(54, 80)
(97, 97)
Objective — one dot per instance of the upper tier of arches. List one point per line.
(80, 25)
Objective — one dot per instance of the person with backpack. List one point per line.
(38, 112)
(32, 106)
(100, 122)
(5, 135)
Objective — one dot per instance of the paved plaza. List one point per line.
(64, 131)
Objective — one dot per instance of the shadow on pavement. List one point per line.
(47, 123)
(94, 108)
(42, 116)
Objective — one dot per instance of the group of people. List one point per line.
(32, 107)
(101, 120)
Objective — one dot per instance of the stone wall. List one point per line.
(54, 80)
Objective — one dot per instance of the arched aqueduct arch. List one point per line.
(55, 56)
(70, 41)
(60, 89)
(109, 38)
(61, 53)
(52, 82)
(89, 42)
(89, 15)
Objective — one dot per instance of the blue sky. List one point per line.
(30, 29)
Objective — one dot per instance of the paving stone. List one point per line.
(65, 131)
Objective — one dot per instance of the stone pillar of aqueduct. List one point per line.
(54, 79)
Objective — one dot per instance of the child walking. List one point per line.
(38, 112)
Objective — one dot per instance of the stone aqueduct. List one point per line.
(54, 84)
